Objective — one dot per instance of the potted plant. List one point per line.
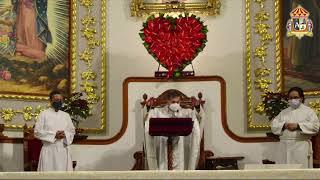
(77, 107)
(274, 103)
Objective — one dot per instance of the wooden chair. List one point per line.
(185, 102)
(316, 150)
(31, 150)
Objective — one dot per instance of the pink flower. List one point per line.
(6, 75)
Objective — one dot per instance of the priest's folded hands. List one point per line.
(60, 135)
(291, 126)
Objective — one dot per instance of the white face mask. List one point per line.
(294, 103)
(175, 107)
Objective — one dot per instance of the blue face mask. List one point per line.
(294, 103)
(57, 105)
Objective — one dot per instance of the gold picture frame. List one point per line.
(207, 7)
(87, 74)
(262, 69)
(36, 63)
(289, 70)
(268, 70)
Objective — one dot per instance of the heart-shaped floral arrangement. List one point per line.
(174, 41)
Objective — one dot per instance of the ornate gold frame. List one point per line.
(280, 77)
(258, 75)
(72, 62)
(92, 84)
(260, 65)
(140, 7)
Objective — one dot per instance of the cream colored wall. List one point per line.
(127, 57)
(222, 56)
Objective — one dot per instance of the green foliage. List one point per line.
(76, 107)
(142, 36)
(274, 103)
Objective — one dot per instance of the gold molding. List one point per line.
(248, 63)
(278, 45)
(103, 65)
(88, 77)
(24, 97)
(261, 77)
(141, 8)
(73, 50)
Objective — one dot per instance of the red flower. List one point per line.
(174, 42)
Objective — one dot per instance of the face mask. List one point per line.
(175, 107)
(294, 103)
(57, 105)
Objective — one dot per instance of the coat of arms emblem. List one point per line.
(299, 25)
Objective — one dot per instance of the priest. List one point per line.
(55, 129)
(296, 125)
(185, 148)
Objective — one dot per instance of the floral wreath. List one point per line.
(174, 41)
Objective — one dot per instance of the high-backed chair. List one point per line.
(160, 101)
(31, 149)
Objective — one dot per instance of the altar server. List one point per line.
(296, 125)
(55, 129)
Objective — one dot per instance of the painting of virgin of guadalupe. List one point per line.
(31, 40)
(34, 46)
(301, 57)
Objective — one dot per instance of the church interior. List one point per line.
(231, 62)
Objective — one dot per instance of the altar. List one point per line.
(106, 51)
(219, 174)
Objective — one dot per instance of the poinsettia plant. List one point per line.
(174, 41)
(77, 107)
(274, 103)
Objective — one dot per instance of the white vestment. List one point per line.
(185, 148)
(55, 153)
(296, 145)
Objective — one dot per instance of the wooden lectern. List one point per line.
(170, 127)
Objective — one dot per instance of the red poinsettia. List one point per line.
(274, 103)
(77, 107)
(174, 42)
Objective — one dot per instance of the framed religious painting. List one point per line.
(34, 47)
(300, 45)
(39, 53)
(147, 7)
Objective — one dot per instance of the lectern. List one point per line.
(170, 127)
